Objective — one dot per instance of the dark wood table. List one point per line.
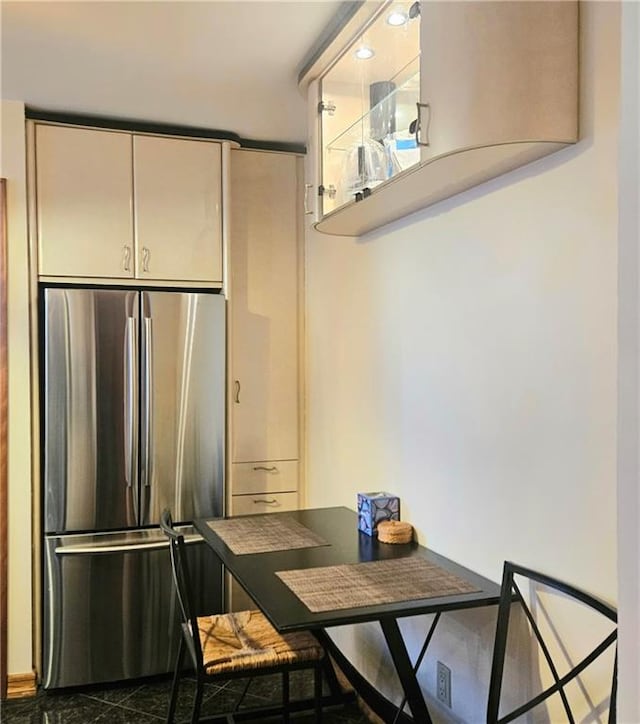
(256, 572)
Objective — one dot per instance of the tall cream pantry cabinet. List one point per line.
(265, 321)
(118, 205)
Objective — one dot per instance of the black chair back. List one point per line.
(510, 593)
(182, 585)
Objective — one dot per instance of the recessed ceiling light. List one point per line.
(396, 18)
(364, 52)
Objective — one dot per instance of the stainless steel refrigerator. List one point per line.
(133, 422)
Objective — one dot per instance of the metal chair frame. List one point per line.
(190, 642)
(510, 592)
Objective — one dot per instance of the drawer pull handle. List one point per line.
(272, 469)
(237, 395)
(273, 501)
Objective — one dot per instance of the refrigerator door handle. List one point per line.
(79, 549)
(148, 403)
(100, 550)
(130, 407)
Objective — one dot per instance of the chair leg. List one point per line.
(330, 677)
(285, 697)
(197, 700)
(317, 691)
(176, 681)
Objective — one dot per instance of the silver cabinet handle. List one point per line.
(418, 126)
(237, 393)
(307, 210)
(272, 469)
(272, 501)
(126, 258)
(146, 254)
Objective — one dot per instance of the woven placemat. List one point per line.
(265, 534)
(352, 585)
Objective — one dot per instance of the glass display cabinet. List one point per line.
(368, 105)
(415, 102)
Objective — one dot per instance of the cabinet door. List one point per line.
(496, 72)
(368, 103)
(84, 198)
(264, 305)
(178, 209)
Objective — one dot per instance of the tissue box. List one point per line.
(374, 507)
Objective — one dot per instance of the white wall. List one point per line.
(12, 167)
(629, 369)
(465, 359)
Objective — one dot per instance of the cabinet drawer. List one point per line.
(273, 476)
(263, 503)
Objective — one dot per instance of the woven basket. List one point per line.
(395, 531)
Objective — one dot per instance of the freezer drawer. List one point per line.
(109, 608)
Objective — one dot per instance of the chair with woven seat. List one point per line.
(234, 645)
(560, 663)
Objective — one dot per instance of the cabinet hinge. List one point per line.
(330, 191)
(328, 106)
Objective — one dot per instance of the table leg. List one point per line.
(416, 666)
(405, 671)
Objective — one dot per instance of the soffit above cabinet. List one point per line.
(203, 65)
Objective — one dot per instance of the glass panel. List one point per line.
(369, 101)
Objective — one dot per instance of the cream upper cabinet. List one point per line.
(84, 202)
(116, 205)
(264, 267)
(426, 99)
(497, 73)
(177, 189)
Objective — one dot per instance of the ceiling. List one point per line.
(215, 65)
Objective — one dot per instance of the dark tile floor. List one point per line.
(145, 702)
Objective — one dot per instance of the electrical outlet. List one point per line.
(443, 684)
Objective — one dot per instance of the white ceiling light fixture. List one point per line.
(364, 52)
(397, 18)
